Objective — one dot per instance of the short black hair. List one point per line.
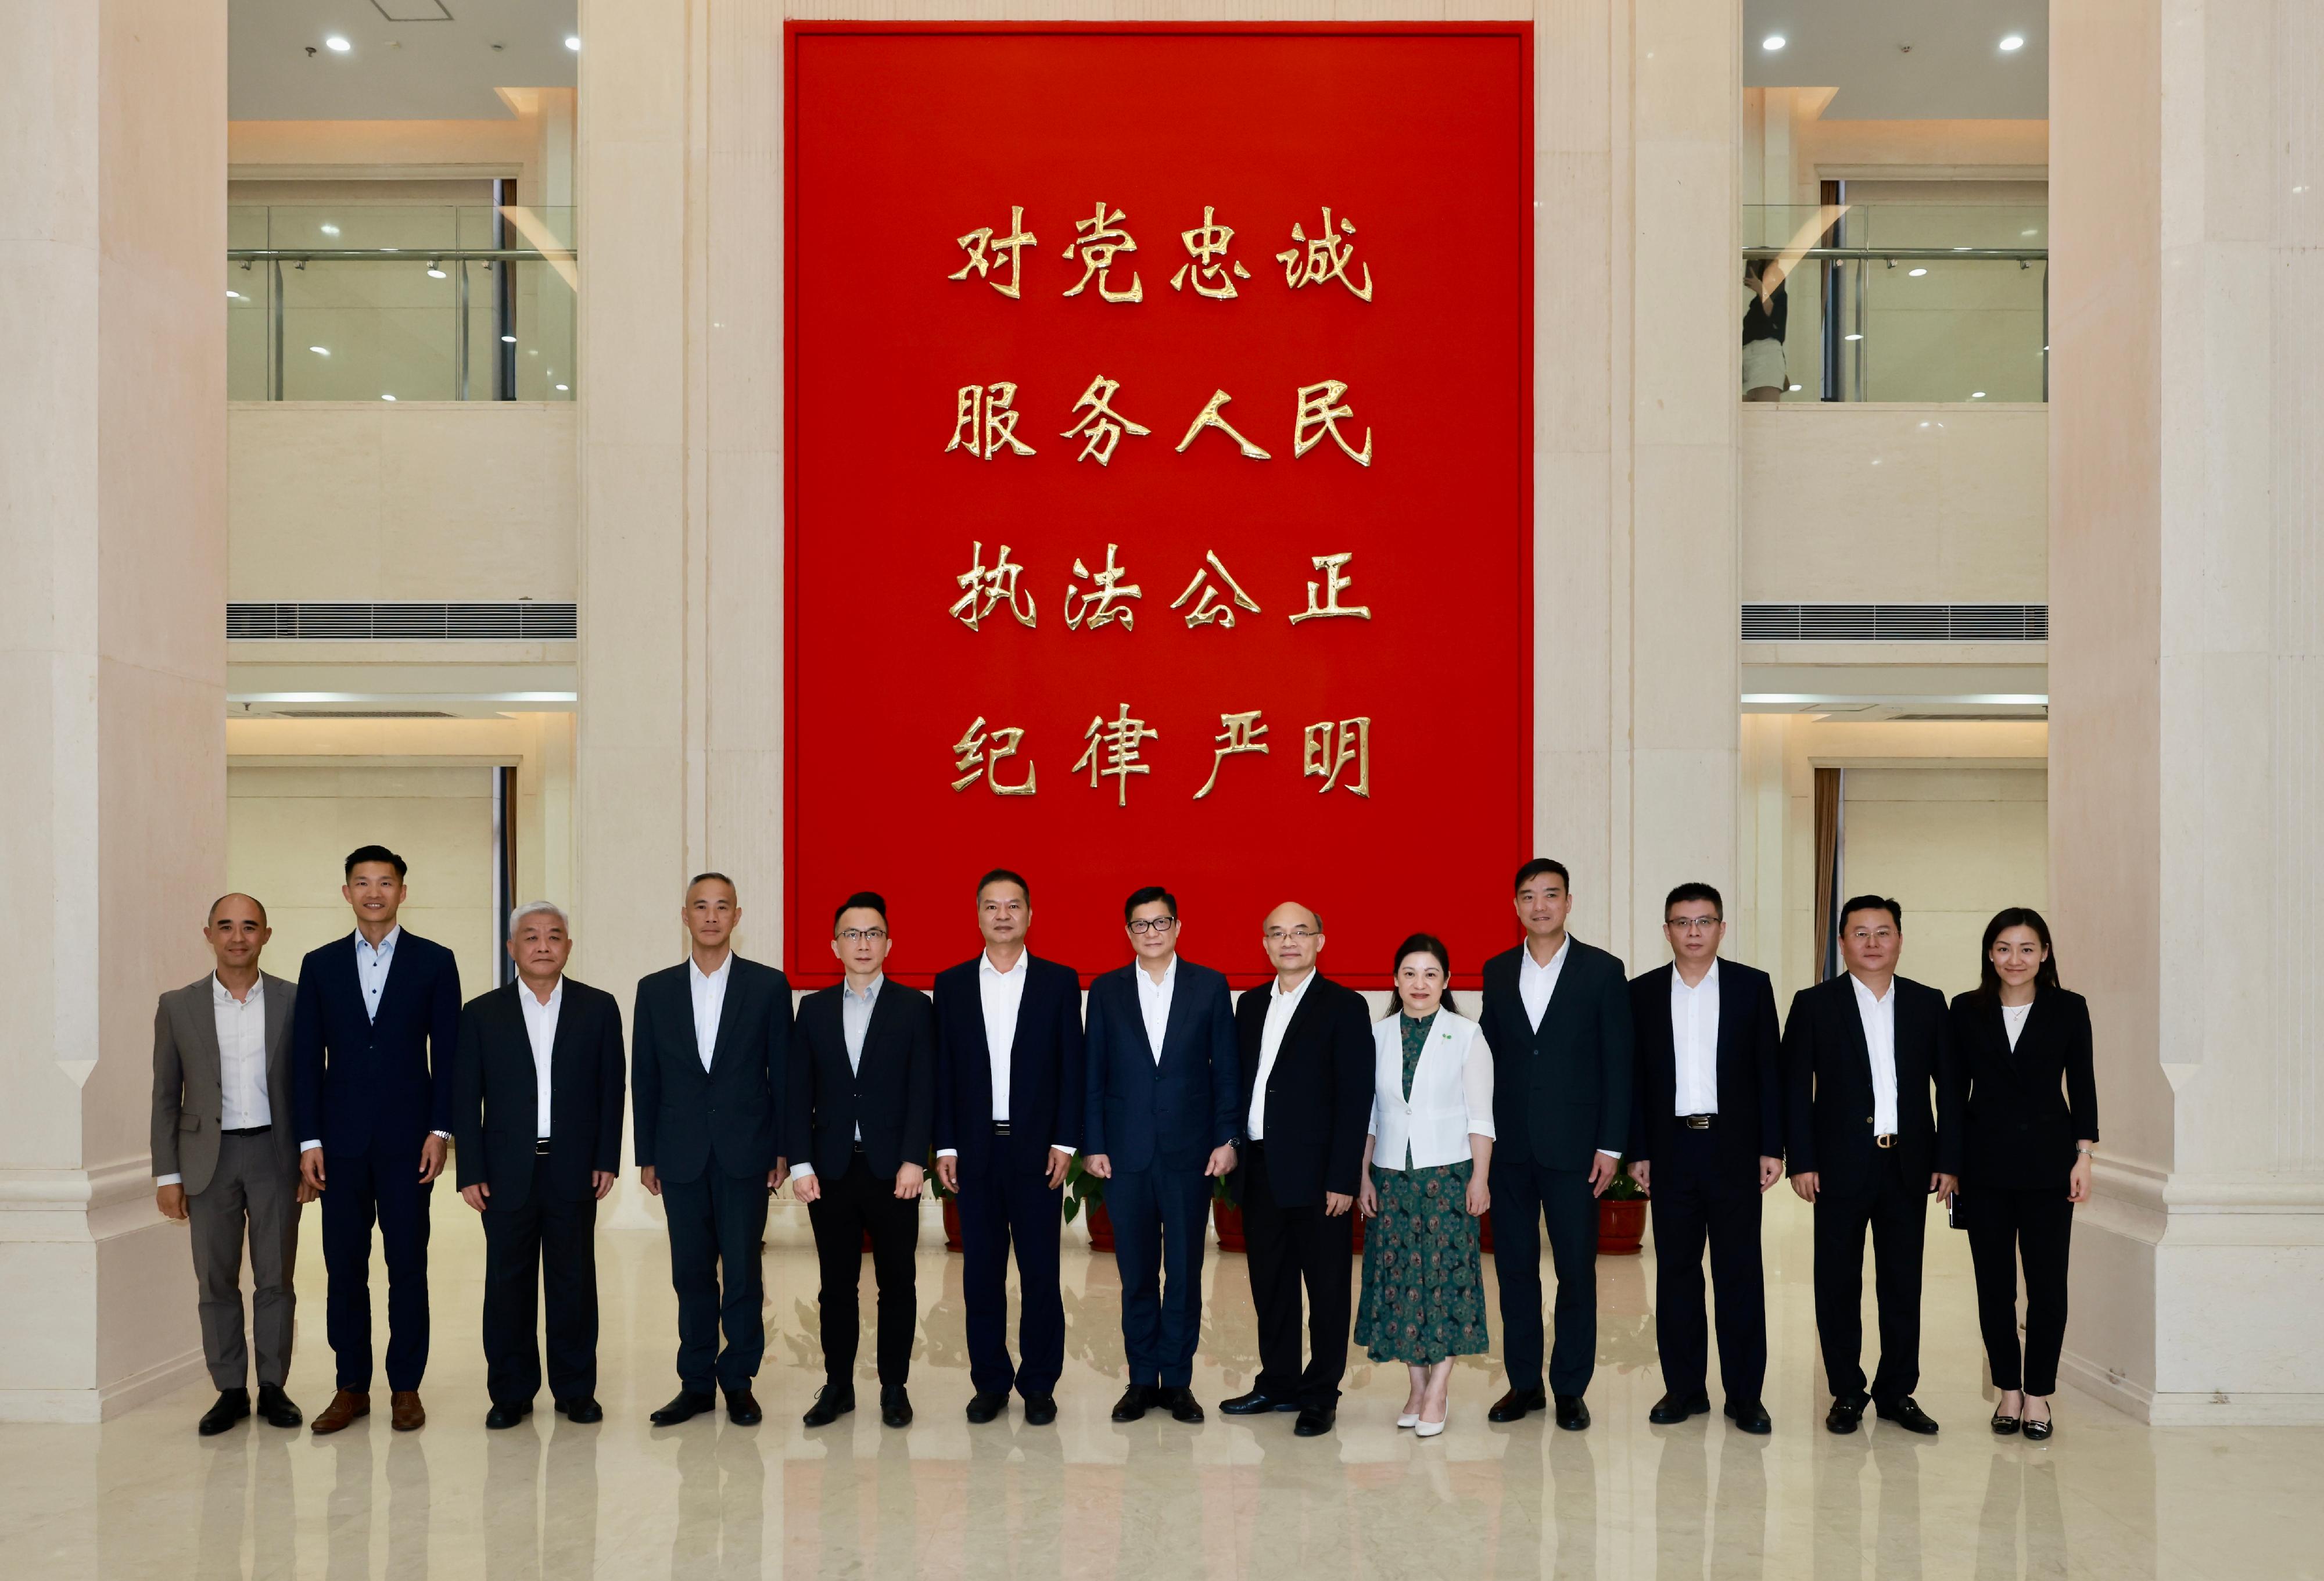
(210, 916)
(1004, 876)
(862, 901)
(1536, 867)
(1695, 891)
(363, 854)
(1856, 903)
(720, 877)
(1146, 897)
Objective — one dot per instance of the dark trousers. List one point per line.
(249, 1193)
(383, 1187)
(716, 1221)
(1158, 1213)
(855, 1204)
(1002, 1203)
(548, 1244)
(1288, 1247)
(1896, 1209)
(2003, 1226)
(1699, 1198)
(1525, 1197)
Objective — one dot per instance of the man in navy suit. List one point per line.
(1160, 1127)
(1010, 1069)
(373, 1045)
(1706, 1138)
(709, 1048)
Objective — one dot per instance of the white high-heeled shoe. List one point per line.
(1429, 1429)
(1410, 1419)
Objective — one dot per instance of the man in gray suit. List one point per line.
(225, 1155)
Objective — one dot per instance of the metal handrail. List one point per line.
(1866, 255)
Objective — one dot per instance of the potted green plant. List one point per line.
(1621, 1216)
(1085, 1190)
(1226, 1216)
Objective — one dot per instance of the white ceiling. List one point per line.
(1955, 70)
(396, 70)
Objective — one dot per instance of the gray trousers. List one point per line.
(250, 1189)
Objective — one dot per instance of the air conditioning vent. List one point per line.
(1896, 623)
(519, 621)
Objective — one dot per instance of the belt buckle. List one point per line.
(1000, 1128)
(541, 1147)
(1695, 1121)
(1885, 1139)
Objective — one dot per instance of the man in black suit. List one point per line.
(1008, 1118)
(1860, 1053)
(862, 1103)
(536, 1121)
(1706, 1138)
(709, 1052)
(1306, 1048)
(1557, 1018)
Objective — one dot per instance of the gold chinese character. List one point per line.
(1120, 740)
(1320, 758)
(1237, 733)
(1099, 239)
(1329, 564)
(983, 252)
(989, 588)
(979, 756)
(1325, 258)
(1209, 418)
(983, 421)
(1208, 243)
(1104, 426)
(1099, 605)
(1319, 416)
(1210, 607)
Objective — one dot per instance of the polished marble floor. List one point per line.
(143, 1496)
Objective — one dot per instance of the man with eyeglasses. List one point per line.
(1706, 1138)
(1161, 1124)
(863, 1106)
(1305, 1046)
(1861, 1051)
(1008, 1120)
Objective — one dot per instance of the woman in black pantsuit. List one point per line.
(2024, 1048)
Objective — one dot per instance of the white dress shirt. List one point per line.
(854, 1025)
(709, 1003)
(372, 963)
(1694, 1042)
(1154, 1002)
(241, 1061)
(1001, 996)
(1280, 1008)
(2013, 1021)
(1879, 1017)
(540, 1031)
(1537, 983)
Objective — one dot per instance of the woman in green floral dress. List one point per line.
(1423, 1185)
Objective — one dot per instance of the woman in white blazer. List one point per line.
(1424, 1186)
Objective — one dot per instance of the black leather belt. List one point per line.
(1000, 1128)
(247, 1131)
(541, 1147)
(1697, 1122)
(1885, 1139)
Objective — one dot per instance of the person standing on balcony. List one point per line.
(1764, 316)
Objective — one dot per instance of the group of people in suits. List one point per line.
(1305, 1108)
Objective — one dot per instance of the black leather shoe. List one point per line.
(1315, 1421)
(1040, 1410)
(2003, 1426)
(584, 1410)
(1674, 1408)
(274, 1406)
(507, 1415)
(1133, 1402)
(895, 1406)
(1571, 1414)
(1845, 1414)
(1906, 1414)
(232, 1405)
(1750, 1415)
(1182, 1405)
(683, 1407)
(987, 1404)
(1513, 1406)
(1255, 1403)
(831, 1403)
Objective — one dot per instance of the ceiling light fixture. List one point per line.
(387, 398)
(1916, 273)
(1851, 337)
(2013, 44)
(1773, 42)
(320, 350)
(573, 42)
(1976, 394)
(336, 45)
(508, 340)
(435, 268)
(568, 386)
(236, 295)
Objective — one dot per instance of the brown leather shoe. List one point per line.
(345, 1406)
(405, 1413)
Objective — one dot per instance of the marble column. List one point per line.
(113, 528)
(2187, 575)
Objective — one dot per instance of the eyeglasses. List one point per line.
(1689, 924)
(1278, 935)
(858, 935)
(1153, 924)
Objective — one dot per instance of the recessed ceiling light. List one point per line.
(508, 340)
(568, 386)
(1851, 337)
(387, 398)
(1773, 42)
(336, 45)
(560, 386)
(1916, 273)
(1976, 394)
(573, 42)
(320, 350)
(436, 271)
(234, 294)
(2012, 42)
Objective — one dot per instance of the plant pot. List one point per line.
(1228, 1220)
(1485, 1232)
(1621, 1227)
(1100, 1227)
(952, 1224)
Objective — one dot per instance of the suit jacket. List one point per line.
(1828, 1085)
(1751, 1125)
(189, 1083)
(730, 1114)
(359, 1081)
(496, 1095)
(890, 1093)
(1561, 1095)
(1174, 1111)
(2025, 1107)
(1319, 1092)
(1048, 1065)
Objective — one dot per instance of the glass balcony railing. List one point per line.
(1899, 302)
(381, 302)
